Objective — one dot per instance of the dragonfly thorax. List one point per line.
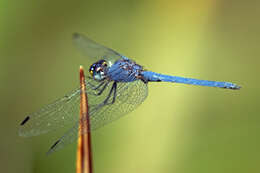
(98, 70)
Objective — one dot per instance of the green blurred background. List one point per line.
(184, 129)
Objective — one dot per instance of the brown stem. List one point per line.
(84, 155)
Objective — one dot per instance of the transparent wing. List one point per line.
(53, 116)
(94, 50)
(129, 96)
(61, 113)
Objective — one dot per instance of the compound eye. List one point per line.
(91, 72)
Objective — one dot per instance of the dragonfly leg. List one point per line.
(105, 102)
(89, 82)
(101, 91)
(97, 87)
(113, 88)
(93, 87)
(114, 96)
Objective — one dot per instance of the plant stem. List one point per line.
(84, 155)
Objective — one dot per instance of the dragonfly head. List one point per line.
(98, 70)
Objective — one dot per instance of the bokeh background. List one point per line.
(184, 129)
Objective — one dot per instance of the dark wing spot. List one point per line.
(55, 144)
(67, 98)
(76, 35)
(25, 120)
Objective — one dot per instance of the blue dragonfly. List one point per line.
(116, 86)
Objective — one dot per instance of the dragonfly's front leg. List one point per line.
(105, 102)
(98, 89)
(94, 87)
(101, 91)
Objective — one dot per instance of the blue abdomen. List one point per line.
(156, 77)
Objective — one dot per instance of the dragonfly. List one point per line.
(116, 85)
